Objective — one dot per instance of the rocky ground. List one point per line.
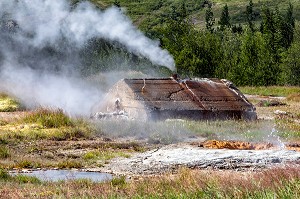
(170, 158)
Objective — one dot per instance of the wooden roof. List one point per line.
(203, 94)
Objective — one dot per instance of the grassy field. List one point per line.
(47, 138)
(273, 183)
(277, 91)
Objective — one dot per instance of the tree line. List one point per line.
(258, 53)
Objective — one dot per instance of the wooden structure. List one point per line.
(172, 98)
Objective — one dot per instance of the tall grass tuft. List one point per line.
(27, 179)
(4, 152)
(28, 164)
(69, 164)
(8, 104)
(4, 175)
(118, 181)
(49, 118)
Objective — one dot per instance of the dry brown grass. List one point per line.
(185, 184)
(294, 97)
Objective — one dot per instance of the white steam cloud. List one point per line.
(31, 29)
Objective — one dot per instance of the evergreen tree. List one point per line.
(250, 15)
(256, 65)
(271, 29)
(117, 3)
(237, 29)
(230, 51)
(225, 18)
(209, 18)
(288, 26)
(291, 64)
(183, 11)
(178, 28)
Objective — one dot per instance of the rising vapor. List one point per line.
(40, 41)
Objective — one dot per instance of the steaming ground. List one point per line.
(170, 158)
(41, 47)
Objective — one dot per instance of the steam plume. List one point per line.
(40, 42)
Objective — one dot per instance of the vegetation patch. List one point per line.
(282, 182)
(21, 179)
(69, 164)
(26, 179)
(279, 91)
(7, 104)
(27, 164)
(45, 124)
(4, 152)
(48, 118)
(119, 181)
(103, 156)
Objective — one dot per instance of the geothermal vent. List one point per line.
(172, 98)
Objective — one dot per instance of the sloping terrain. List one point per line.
(153, 12)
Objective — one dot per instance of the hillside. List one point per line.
(149, 13)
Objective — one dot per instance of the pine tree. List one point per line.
(270, 29)
(209, 18)
(182, 11)
(225, 18)
(117, 3)
(288, 26)
(250, 15)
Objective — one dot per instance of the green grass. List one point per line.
(104, 155)
(26, 179)
(8, 104)
(27, 164)
(20, 179)
(119, 181)
(282, 91)
(69, 164)
(167, 132)
(48, 118)
(45, 124)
